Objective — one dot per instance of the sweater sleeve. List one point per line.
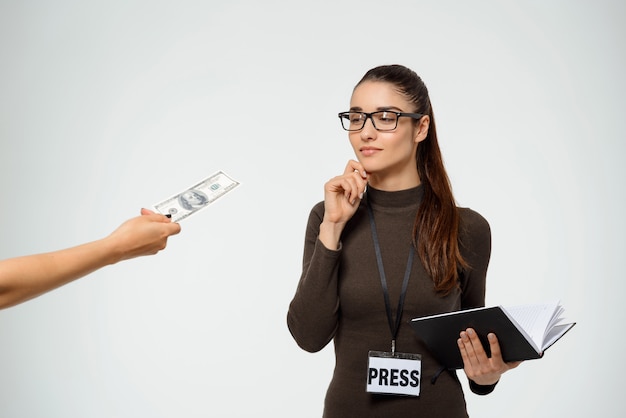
(481, 389)
(475, 239)
(476, 249)
(313, 313)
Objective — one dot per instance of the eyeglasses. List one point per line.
(383, 120)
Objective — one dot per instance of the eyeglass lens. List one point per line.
(383, 120)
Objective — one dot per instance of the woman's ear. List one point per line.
(421, 128)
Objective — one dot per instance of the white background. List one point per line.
(107, 107)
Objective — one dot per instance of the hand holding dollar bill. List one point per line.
(196, 197)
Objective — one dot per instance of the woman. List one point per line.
(392, 205)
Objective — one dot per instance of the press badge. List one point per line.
(394, 373)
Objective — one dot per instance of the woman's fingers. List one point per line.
(354, 166)
(343, 193)
(478, 366)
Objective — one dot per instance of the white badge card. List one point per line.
(394, 373)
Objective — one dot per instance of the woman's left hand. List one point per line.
(478, 367)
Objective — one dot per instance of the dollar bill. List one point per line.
(197, 197)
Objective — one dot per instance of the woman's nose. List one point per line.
(368, 132)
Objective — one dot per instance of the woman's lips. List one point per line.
(368, 151)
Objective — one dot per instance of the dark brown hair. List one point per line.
(436, 227)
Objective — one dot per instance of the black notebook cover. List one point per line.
(440, 333)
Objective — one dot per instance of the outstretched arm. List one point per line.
(24, 278)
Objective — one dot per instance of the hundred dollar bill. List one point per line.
(197, 197)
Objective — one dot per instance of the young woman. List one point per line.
(386, 245)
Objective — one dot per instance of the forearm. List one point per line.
(26, 277)
(330, 234)
(313, 313)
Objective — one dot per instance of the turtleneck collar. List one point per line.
(397, 199)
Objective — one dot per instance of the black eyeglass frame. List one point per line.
(344, 115)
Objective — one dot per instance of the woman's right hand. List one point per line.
(342, 195)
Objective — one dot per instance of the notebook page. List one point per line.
(555, 333)
(534, 318)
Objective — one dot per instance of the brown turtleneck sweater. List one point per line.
(339, 297)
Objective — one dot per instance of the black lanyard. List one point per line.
(394, 326)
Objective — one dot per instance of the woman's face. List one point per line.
(389, 157)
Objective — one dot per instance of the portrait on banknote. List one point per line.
(193, 199)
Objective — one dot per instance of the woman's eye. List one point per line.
(386, 117)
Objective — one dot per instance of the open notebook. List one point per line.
(524, 332)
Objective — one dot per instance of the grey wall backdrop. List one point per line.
(107, 107)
